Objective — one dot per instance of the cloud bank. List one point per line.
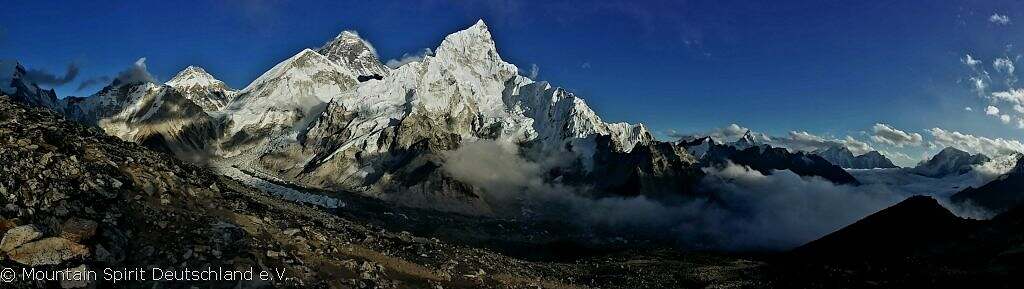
(886, 134)
(43, 77)
(975, 144)
(136, 73)
(751, 210)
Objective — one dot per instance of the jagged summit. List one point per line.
(474, 47)
(195, 76)
(202, 88)
(746, 141)
(13, 83)
(351, 51)
(842, 156)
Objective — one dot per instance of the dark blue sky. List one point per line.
(833, 68)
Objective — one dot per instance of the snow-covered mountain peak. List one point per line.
(842, 156)
(202, 88)
(746, 141)
(949, 161)
(286, 96)
(195, 76)
(351, 51)
(472, 46)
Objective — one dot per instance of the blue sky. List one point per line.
(831, 68)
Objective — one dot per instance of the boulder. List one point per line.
(49, 251)
(19, 235)
(76, 229)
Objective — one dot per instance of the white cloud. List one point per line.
(968, 108)
(899, 157)
(1018, 108)
(979, 81)
(1000, 19)
(992, 110)
(1004, 65)
(1005, 119)
(979, 84)
(406, 58)
(586, 65)
(857, 147)
(970, 61)
(1015, 96)
(136, 73)
(886, 134)
(768, 218)
(975, 144)
(534, 71)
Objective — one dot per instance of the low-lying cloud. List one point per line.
(750, 210)
(89, 82)
(43, 77)
(136, 73)
(975, 144)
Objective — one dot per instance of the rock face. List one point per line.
(949, 161)
(843, 157)
(999, 195)
(277, 106)
(698, 147)
(158, 116)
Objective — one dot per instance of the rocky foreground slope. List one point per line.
(73, 197)
(916, 243)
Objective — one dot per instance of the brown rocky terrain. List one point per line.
(75, 198)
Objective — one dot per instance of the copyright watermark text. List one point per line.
(116, 275)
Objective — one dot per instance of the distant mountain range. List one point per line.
(843, 157)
